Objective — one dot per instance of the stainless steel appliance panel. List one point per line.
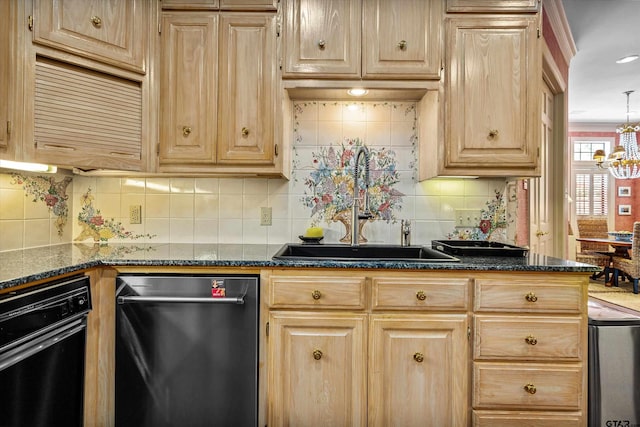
(614, 367)
(183, 357)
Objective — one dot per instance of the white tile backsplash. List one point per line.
(227, 210)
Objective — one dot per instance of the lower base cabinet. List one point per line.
(426, 348)
(339, 357)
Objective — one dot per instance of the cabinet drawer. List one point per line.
(502, 337)
(420, 294)
(317, 291)
(529, 296)
(526, 419)
(502, 386)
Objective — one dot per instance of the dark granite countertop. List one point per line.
(28, 265)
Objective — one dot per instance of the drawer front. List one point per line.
(526, 419)
(527, 386)
(320, 292)
(420, 294)
(529, 296)
(502, 337)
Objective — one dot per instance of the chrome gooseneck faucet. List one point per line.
(355, 215)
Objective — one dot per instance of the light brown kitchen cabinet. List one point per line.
(113, 32)
(6, 73)
(492, 113)
(530, 350)
(218, 93)
(416, 356)
(370, 39)
(189, 90)
(317, 375)
(255, 5)
(417, 370)
(484, 6)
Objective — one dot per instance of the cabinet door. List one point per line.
(5, 71)
(249, 4)
(402, 39)
(492, 110)
(317, 369)
(492, 5)
(188, 91)
(418, 370)
(191, 4)
(322, 38)
(247, 89)
(108, 31)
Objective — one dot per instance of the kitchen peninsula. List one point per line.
(489, 340)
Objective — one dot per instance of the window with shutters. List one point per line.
(590, 185)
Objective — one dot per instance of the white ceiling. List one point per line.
(603, 31)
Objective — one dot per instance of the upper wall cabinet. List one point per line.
(218, 108)
(373, 39)
(492, 88)
(270, 5)
(493, 5)
(5, 73)
(112, 32)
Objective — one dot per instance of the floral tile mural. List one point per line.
(493, 222)
(327, 135)
(95, 227)
(49, 191)
(330, 185)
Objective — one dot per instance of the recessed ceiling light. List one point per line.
(357, 92)
(627, 58)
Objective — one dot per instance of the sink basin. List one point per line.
(337, 252)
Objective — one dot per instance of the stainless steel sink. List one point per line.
(337, 252)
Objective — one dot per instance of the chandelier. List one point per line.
(624, 161)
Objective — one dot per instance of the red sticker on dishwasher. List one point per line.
(217, 289)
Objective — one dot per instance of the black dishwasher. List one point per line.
(186, 350)
(43, 332)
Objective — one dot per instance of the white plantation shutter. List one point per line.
(591, 193)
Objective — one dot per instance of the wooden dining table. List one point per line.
(620, 247)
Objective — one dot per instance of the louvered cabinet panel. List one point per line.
(86, 119)
(113, 32)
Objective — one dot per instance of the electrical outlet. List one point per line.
(468, 217)
(265, 216)
(135, 214)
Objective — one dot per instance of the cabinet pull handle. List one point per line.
(316, 294)
(186, 130)
(421, 295)
(321, 44)
(402, 44)
(531, 340)
(317, 354)
(122, 154)
(531, 297)
(245, 131)
(530, 388)
(418, 357)
(96, 21)
(493, 133)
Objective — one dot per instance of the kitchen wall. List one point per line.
(227, 210)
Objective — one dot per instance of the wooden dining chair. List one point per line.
(591, 252)
(630, 267)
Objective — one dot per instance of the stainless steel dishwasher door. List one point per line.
(183, 357)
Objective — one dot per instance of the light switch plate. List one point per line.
(468, 217)
(135, 214)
